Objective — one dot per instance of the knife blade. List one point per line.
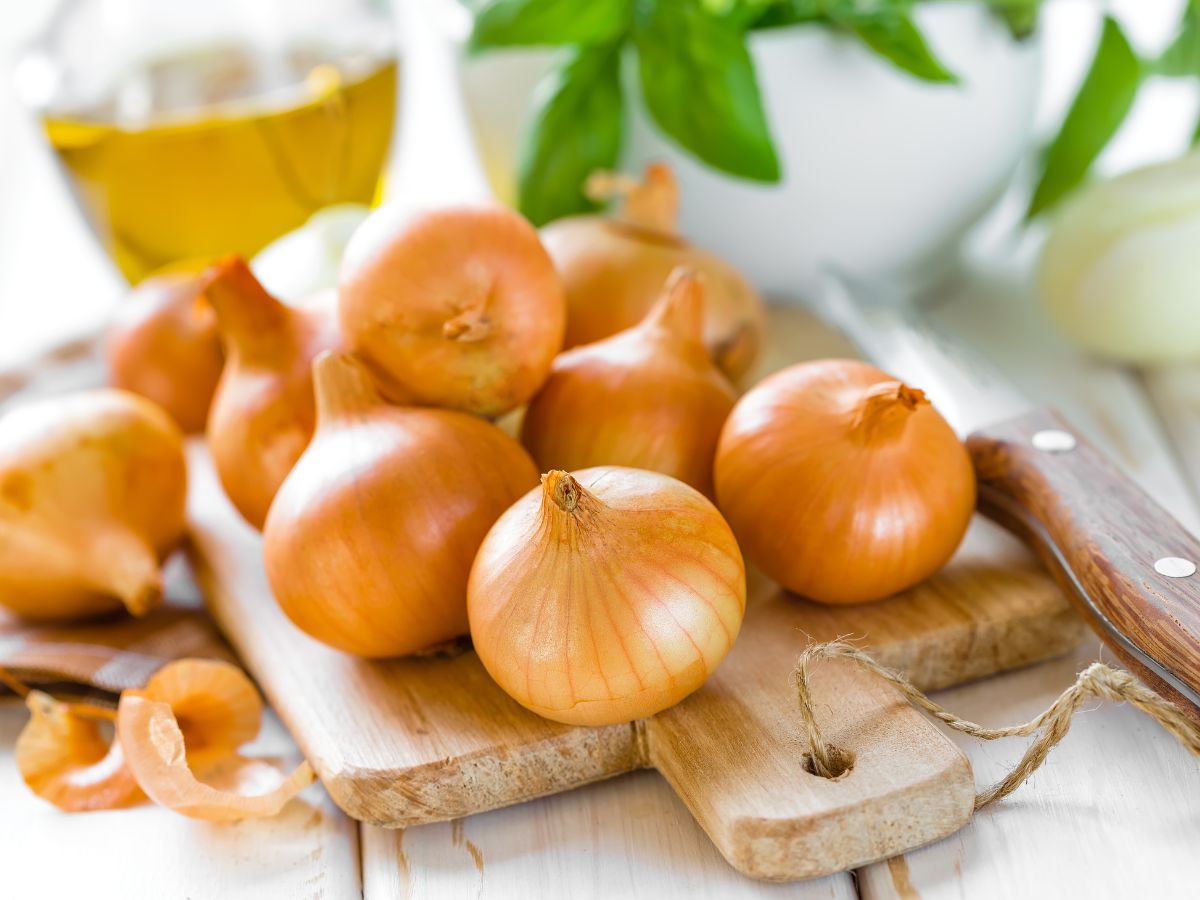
(1125, 562)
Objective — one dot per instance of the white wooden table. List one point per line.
(1112, 814)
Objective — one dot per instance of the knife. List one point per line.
(1127, 565)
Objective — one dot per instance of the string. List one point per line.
(1051, 726)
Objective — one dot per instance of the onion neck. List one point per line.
(679, 311)
(343, 387)
(651, 204)
(884, 410)
(250, 319)
(565, 500)
(121, 564)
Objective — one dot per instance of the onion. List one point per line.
(458, 308)
(368, 545)
(163, 344)
(263, 413)
(649, 397)
(606, 595)
(843, 484)
(92, 489)
(1118, 271)
(614, 268)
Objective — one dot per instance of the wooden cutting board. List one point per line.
(408, 741)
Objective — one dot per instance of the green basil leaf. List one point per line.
(1182, 57)
(781, 13)
(886, 26)
(899, 40)
(746, 13)
(527, 23)
(699, 85)
(1095, 115)
(1021, 16)
(576, 129)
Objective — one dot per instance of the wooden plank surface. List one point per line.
(310, 850)
(630, 838)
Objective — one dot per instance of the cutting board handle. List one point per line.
(1128, 565)
(739, 761)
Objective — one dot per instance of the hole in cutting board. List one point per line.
(841, 762)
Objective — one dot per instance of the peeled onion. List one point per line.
(92, 490)
(459, 308)
(614, 268)
(263, 414)
(1118, 271)
(649, 397)
(164, 345)
(842, 483)
(606, 595)
(368, 544)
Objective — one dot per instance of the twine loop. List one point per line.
(1051, 726)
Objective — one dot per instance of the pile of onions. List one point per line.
(164, 345)
(613, 269)
(649, 397)
(92, 490)
(369, 542)
(606, 595)
(263, 413)
(459, 308)
(842, 483)
(176, 742)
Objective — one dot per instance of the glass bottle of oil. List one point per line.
(206, 148)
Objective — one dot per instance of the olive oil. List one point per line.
(221, 151)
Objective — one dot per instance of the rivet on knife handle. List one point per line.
(1124, 560)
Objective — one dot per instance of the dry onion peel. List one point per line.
(232, 787)
(179, 734)
(215, 703)
(176, 741)
(65, 759)
(606, 595)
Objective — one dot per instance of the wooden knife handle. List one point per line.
(1101, 536)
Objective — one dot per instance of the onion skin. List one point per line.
(165, 346)
(368, 545)
(648, 398)
(843, 484)
(613, 271)
(264, 412)
(606, 596)
(65, 759)
(459, 308)
(180, 735)
(92, 491)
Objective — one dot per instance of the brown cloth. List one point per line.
(112, 653)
